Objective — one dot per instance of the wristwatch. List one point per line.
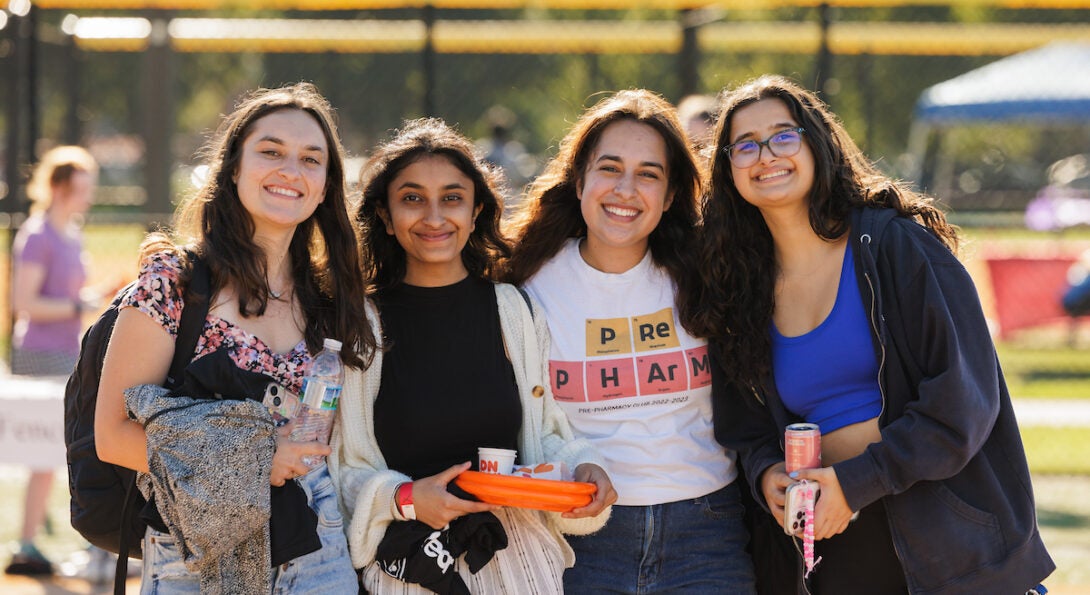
(404, 499)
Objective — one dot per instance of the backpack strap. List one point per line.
(196, 299)
(121, 569)
(192, 320)
(526, 298)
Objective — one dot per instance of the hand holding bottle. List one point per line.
(321, 393)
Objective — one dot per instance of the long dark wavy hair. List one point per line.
(327, 275)
(551, 213)
(734, 300)
(381, 253)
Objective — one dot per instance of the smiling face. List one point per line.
(430, 210)
(773, 182)
(281, 176)
(623, 194)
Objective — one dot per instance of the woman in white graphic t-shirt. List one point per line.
(604, 242)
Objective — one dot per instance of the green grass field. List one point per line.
(1060, 450)
(1045, 367)
(1063, 513)
(1055, 371)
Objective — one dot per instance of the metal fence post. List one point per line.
(823, 64)
(12, 106)
(22, 128)
(72, 79)
(158, 122)
(689, 56)
(22, 112)
(428, 57)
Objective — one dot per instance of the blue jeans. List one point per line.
(327, 571)
(689, 546)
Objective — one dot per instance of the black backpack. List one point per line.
(105, 501)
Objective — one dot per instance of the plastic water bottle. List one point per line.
(321, 393)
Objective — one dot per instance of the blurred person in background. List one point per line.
(463, 366)
(502, 150)
(49, 299)
(1076, 296)
(833, 295)
(605, 242)
(697, 113)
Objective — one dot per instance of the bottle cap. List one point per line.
(333, 344)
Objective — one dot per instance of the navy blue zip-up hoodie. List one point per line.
(950, 466)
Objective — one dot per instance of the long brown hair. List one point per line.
(327, 275)
(734, 302)
(551, 213)
(382, 255)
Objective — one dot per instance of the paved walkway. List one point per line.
(1052, 412)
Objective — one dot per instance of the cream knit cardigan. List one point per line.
(366, 485)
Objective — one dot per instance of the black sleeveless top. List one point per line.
(447, 384)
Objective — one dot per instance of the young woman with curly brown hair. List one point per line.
(832, 295)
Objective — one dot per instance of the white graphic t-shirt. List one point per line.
(630, 379)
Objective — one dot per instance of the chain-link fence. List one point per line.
(142, 88)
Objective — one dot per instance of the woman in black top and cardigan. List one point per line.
(461, 368)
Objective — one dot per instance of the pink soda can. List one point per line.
(802, 446)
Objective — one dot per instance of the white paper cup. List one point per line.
(495, 460)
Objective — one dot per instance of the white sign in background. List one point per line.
(32, 421)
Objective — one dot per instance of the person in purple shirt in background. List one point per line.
(49, 298)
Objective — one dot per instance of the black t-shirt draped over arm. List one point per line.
(447, 384)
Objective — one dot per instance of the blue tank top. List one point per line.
(829, 376)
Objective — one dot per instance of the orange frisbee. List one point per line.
(526, 492)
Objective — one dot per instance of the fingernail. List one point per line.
(793, 475)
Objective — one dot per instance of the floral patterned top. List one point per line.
(157, 294)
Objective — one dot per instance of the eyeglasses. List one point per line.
(747, 153)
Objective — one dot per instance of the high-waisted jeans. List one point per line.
(689, 546)
(324, 572)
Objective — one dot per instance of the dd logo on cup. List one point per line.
(495, 460)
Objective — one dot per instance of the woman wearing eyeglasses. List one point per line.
(832, 295)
